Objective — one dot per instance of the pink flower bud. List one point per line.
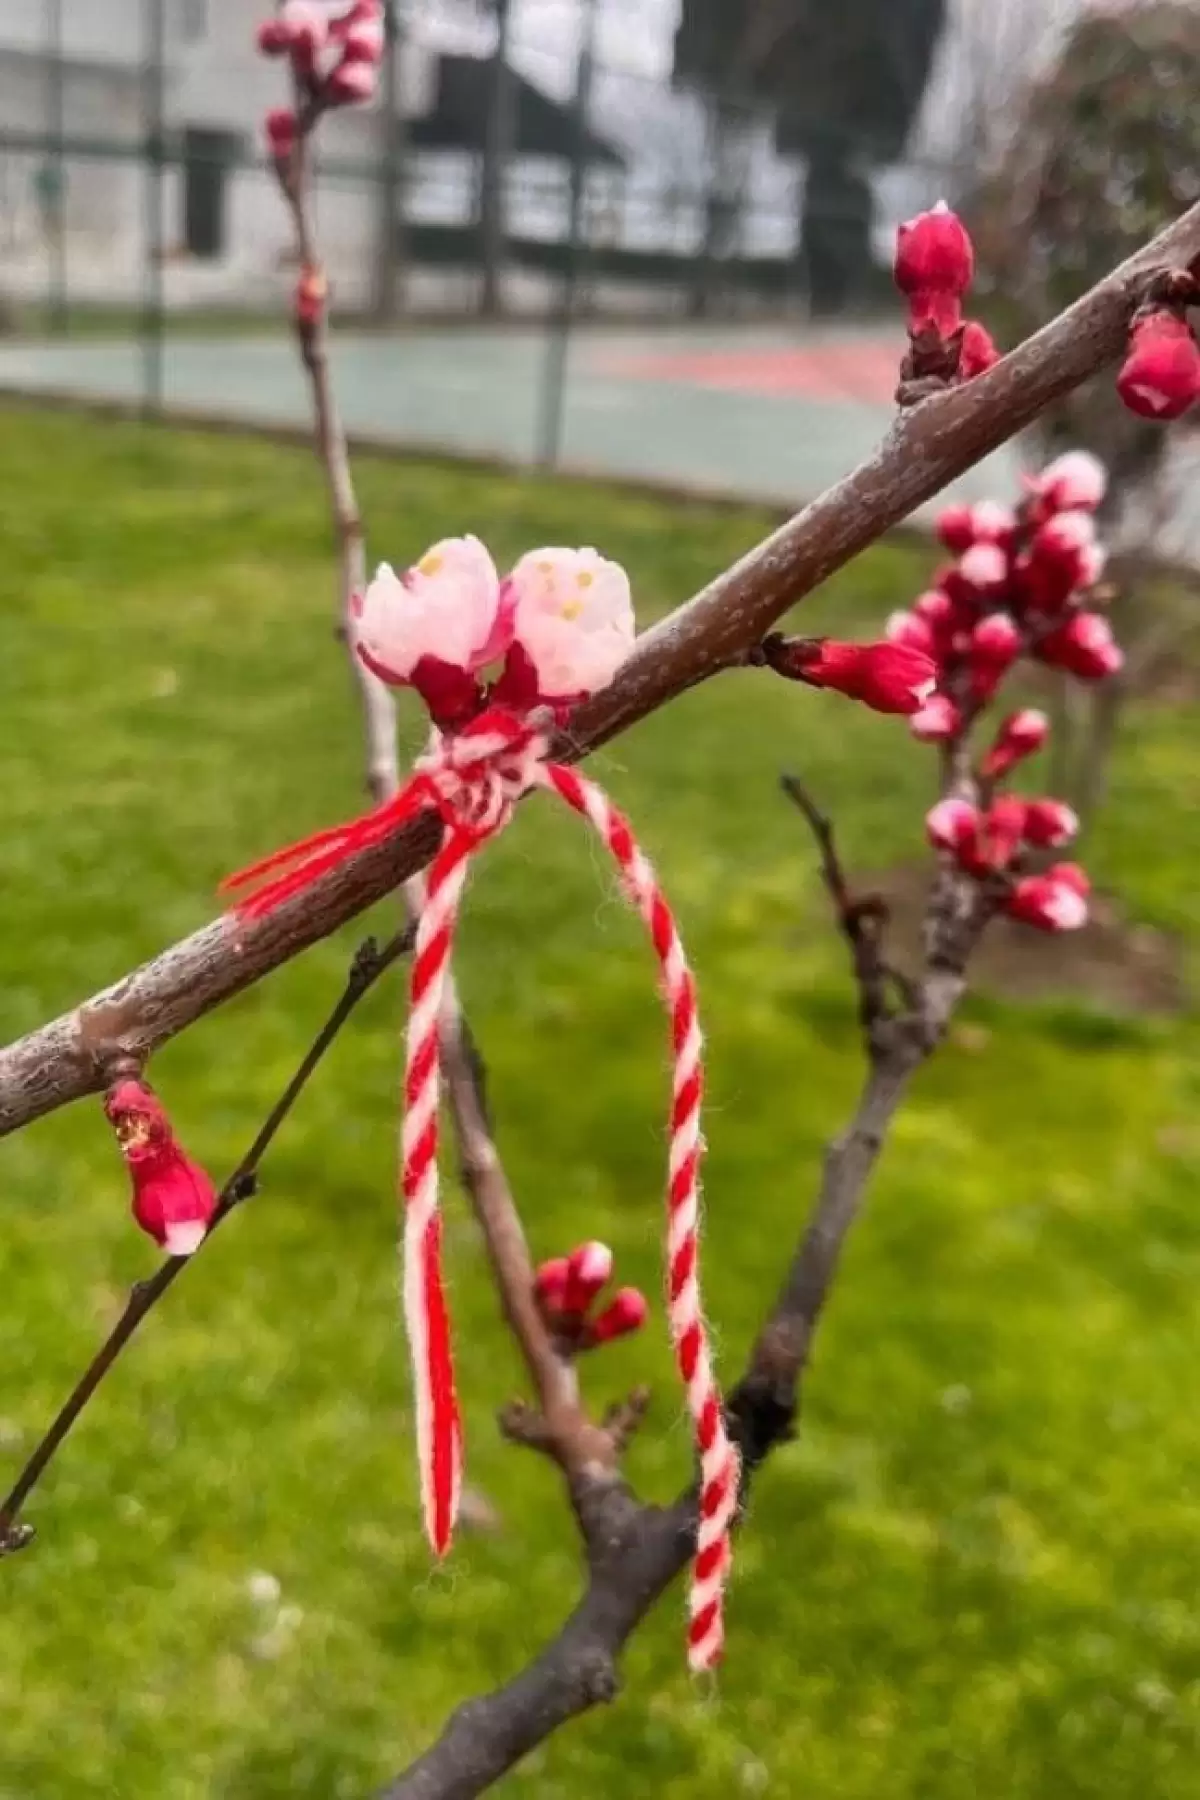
(1049, 823)
(1071, 875)
(1084, 646)
(984, 567)
(1048, 903)
(952, 825)
(1076, 479)
(910, 630)
(550, 1284)
(888, 677)
(626, 1312)
(312, 293)
(364, 41)
(273, 38)
(955, 526)
(996, 641)
(305, 25)
(934, 267)
(281, 131)
(1019, 736)
(1160, 377)
(589, 1268)
(351, 84)
(936, 608)
(978, 353)
(992, 523)
(173, 1198)
(937, 721)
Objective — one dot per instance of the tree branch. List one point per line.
(370, 963)
(927, 447)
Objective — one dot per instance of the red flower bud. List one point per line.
(1049, 823)
(937, 721)
(912, 631)
(984, 568)
(364, 41)
(1075, 480)
(937, 609)
(1020, 736)
(1003, 832)
(589, 1268)
(996, 641)
(273, 38)
(281, 131)
(550, 1284)
(887, 677)
(953, 825)
(1160, 377)
(955, 526)
(1084, 646)
(173, 1198)
(934, 267)
(306, 28)
(1048, 902)
(351, 84)
(626, 1312)
(992, 523)
(312, 292)
(978, 353)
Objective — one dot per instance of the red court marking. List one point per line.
(865, 370)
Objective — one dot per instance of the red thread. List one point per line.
(474, 780)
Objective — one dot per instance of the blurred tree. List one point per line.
(844, 84)
(1105, 152)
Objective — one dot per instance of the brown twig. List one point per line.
(370, 963)
(573, 1439)
(927, 447)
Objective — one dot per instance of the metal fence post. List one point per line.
(559, 341)
(154, 50)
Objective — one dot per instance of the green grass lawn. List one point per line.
(976, 1571)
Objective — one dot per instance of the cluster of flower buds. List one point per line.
(888, 677)
(567, 1289)
(990, 844)
(335, 53)
(934, 269)
(1018, 587)
(173, 1198)
(1160, 377)
(559, 626)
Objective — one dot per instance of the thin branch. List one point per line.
(578, 1445)
(927, 447)
(370, 963)
(862, 921)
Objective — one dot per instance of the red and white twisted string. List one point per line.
(475, 780)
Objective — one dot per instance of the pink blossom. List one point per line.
(1019, 736)
(444, 609)
(937, 721)
(572, 626)
(174, 1200)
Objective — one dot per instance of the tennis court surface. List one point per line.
(765, 415)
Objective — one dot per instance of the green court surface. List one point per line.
(765, 415)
